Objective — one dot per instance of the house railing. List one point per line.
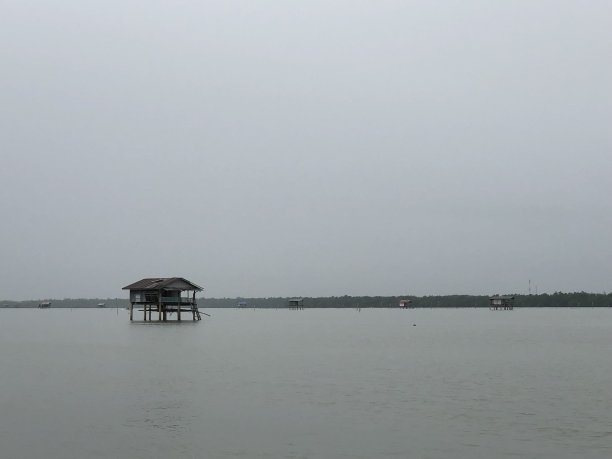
(177, 300)
(154, 299)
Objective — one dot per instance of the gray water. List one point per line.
(307, 384)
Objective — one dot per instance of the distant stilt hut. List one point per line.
(296, 303)
(44, 305)
(242, 304)
(405, 304)
(164, 296)
(501, 303)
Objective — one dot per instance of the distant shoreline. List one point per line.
(569, 300)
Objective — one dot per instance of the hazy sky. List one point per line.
(279, 148)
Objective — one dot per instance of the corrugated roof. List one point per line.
(156, 283)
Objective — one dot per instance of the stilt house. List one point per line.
(165, 296)
(501, 302)
(296, 303)
(405, 304)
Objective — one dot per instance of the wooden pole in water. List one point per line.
(131, 311)
(159, 305)
(193, 306)
(178, 309)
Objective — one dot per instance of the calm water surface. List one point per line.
(327, 384)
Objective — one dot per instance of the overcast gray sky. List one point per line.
(278, 148)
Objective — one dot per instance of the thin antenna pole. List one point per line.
(530, 286)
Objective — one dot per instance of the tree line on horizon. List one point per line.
(557, 299)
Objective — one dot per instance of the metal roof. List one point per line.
(157, 283)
